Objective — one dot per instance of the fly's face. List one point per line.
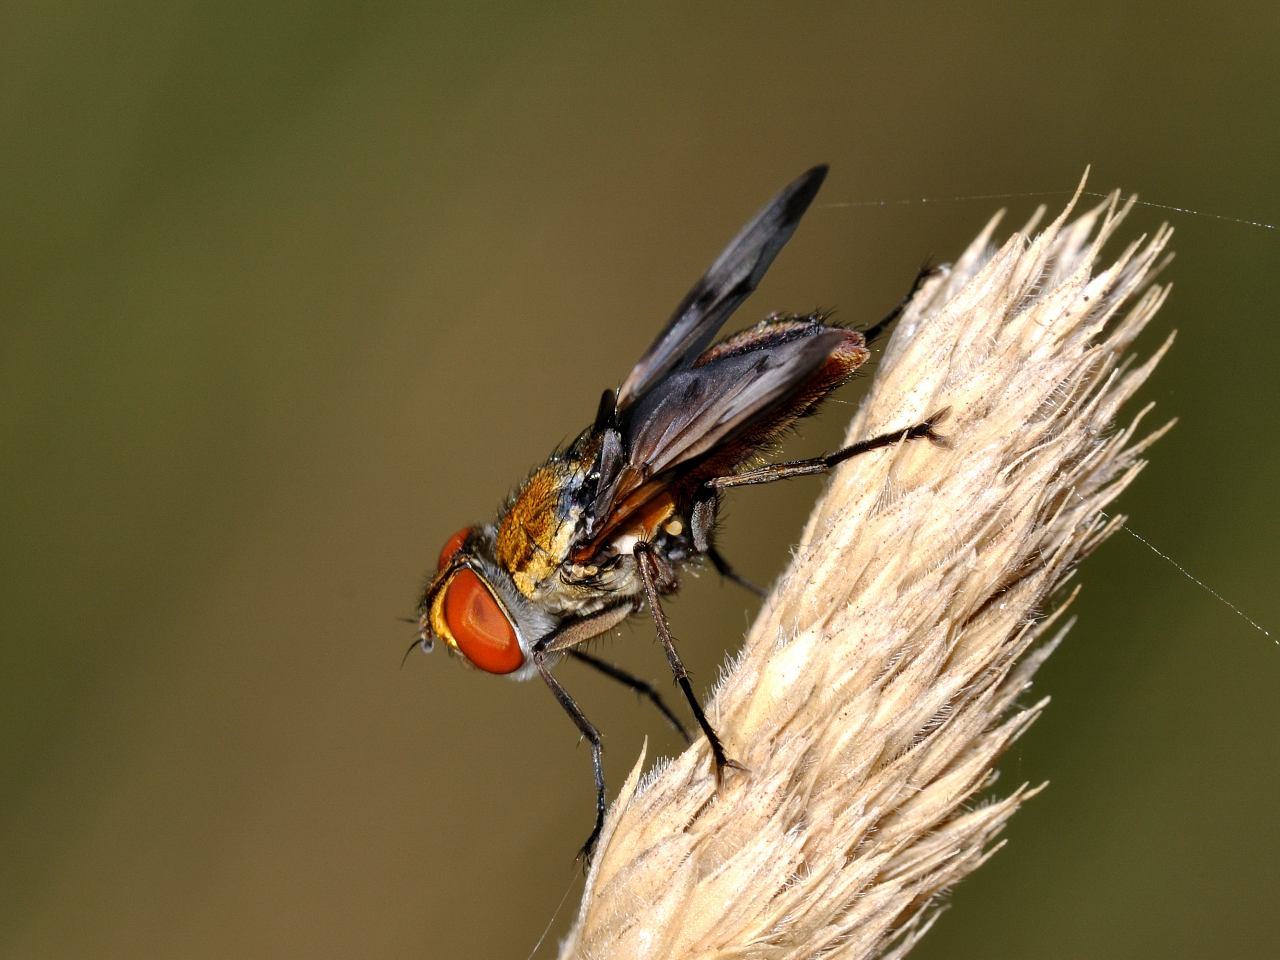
(472, 606)
(500, 588)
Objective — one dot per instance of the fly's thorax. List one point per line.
(537, 528)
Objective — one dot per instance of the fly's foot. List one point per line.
(588, 850)
(726, 763)
(720, 761)
(926, 429)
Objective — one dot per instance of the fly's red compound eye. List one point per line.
(479, 627)
(452, 546)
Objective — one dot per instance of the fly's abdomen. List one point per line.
(778, 371)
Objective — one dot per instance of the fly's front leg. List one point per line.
(647, 564)
(804, 468)
(597, 750)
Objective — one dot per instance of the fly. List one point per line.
(603, 529)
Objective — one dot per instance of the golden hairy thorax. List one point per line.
(534, 534)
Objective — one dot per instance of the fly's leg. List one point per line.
(925, 272)
(804, 468)
(725, 570)
(597, 750)
(702, 520)
(649, 573)
(642, 687)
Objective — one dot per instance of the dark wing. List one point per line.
(692, 412)
(724, 286)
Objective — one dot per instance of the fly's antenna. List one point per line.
(420, 641)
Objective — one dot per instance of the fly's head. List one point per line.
(472, 605)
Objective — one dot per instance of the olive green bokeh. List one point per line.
(291, 291)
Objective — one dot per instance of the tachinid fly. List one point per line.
(603, 528)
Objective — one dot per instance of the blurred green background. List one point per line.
(291, 291)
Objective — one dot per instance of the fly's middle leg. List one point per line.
(642, 687)
(647, 564)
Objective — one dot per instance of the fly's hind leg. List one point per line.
(804, 468)
(925, 272)
(702, 520)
